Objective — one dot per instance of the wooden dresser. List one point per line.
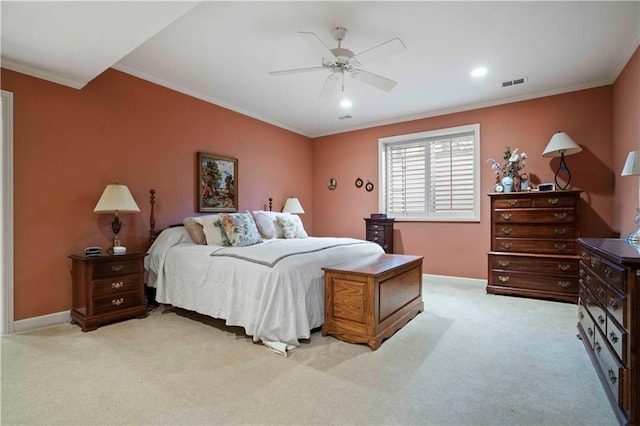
(534, 248)
(380, 230)
(107, 288)
(609, 317)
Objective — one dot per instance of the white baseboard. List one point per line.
(446, 278)
(42, 321)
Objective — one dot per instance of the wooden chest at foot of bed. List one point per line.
(367, 300)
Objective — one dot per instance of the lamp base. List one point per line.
(633, 238)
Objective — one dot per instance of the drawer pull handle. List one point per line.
(560, 231)
(553, 201)
(117, 268)
(580, 315)
(117, 285)
(117, 302)
(506, 231)
(590, 331)
(503, 278)
(612, 377)
(564, 267)
(601, 319)
(600, 291)
(507, 246)
(560, 246)
(594, 263)
(375, 238)
(503, 263)
(564, 284)
(581, 272)
(608, 272)
(614, 304)
(597, 347)
(506, 216)
(512, 203)
(587, 279)
(560, 216)
(613, 337)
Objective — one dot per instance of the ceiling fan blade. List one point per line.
(384, 50)
(330, 85)
(317, 44)
(296, 71)
(374, 80)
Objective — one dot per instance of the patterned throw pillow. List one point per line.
(212, 232)
(265, 225)
(240, 229)
(292, 226)
(279, 233)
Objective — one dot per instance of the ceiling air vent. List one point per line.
(344, 117)
(515, 82)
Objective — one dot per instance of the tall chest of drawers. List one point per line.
(608, 320)
(534, 249)
(380, 230)
(107, 288)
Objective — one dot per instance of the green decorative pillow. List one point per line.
(239, 229)
(292, 226)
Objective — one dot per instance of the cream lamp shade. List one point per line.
(632, 168)
(292, 205)
(559, 146)
(116, 198)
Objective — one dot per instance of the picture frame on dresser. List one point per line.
(216, 183)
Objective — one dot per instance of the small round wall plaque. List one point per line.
(332, 184)
(369, 187)
(359, 183)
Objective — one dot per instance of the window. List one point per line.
(431, 176)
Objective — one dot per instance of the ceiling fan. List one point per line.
(341, 61)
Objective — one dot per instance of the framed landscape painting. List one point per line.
(217, 183)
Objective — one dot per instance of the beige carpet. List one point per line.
(469, 359)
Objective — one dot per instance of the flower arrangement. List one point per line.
(514, 162)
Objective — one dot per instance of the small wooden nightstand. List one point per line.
(107, 288)
(380, 230)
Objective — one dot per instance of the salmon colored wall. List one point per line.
(626, 137)
(69, 144)
(459, 249)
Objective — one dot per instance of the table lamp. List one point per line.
(292, 205)
(559, 146)
(116, 198)
(632, 168)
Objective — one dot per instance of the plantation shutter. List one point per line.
(451, 177)
(406, 175)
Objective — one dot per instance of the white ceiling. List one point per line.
(222, 52)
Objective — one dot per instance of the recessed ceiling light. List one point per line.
(478, 72)
(345, 103)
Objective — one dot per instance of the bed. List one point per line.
(273, 287)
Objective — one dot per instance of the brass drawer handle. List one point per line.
(564, 284)
(587, 279)
(597, 347)
(608, 272)
(613, 337)
(560, 246)
(553, 201)
(503, 278)
(506, 231)
(560, 231)
(612, 377)
(117, 302)
(503, 263)
(117, 285)
(590, 332)
(594, 262)
(600, 291)
(560, 216)
(117, 268)
(582, 272)
(614, 304)
(507, 246)
(564, 267)
(512, 203)
(601, 319)
(506, 216)
(580, 315)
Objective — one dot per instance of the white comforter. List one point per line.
(274, 290)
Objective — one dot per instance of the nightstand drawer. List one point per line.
(115, 285)
(113, 268)
(116, 302)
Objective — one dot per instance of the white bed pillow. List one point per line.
(240, 229)
(212, 229)
(292, 226)
(267, 223)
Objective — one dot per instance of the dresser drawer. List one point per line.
(549, 216)
(510, 203)
(539, 265)
(115, 302)
(554, 201)
(617, 338)
(595, 284)
(539, 282)
(519, 230)
(113, 268)
(617, 306)
(116, 284)
(535, 246)
(586, 322)
(608, 272)
(375, 227)
(377, 236)
(611, 368)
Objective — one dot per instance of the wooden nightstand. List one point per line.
(107, 288)
(380, 230)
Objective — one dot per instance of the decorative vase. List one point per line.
(507, 183)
